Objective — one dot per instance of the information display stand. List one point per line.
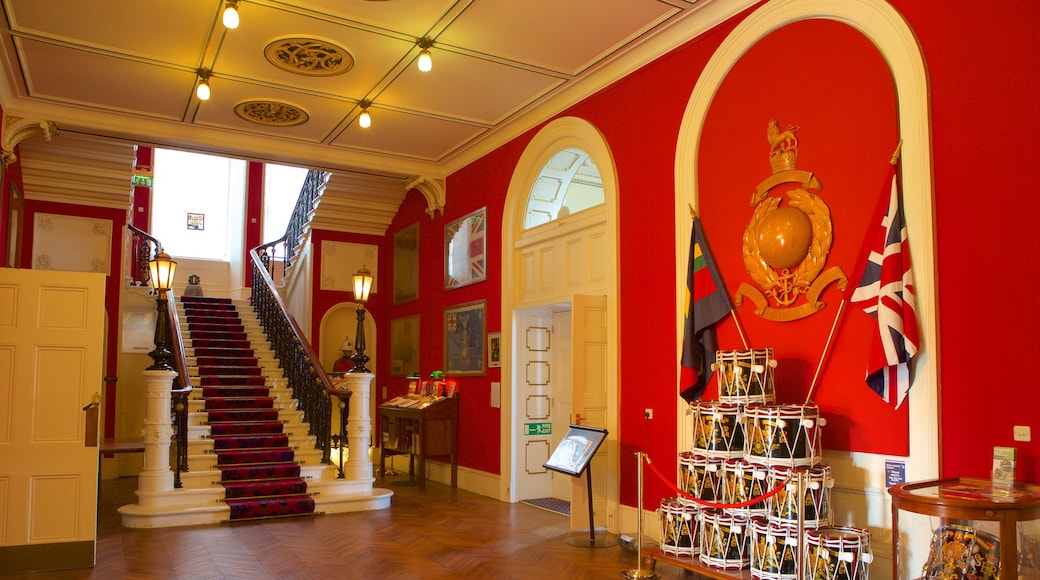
(573, 457)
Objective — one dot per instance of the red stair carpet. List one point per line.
(258, 471)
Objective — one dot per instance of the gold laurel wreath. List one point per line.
(760, 271)
(810, 267)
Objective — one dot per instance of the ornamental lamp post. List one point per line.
(362, 286)
(162, 268)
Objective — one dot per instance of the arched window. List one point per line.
(568, 183)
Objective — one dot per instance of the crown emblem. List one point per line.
(783, 147)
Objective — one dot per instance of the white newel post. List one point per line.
(359, 427)
(158, 430)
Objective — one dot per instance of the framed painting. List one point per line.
(465, 250)
(406, 264)
(494, 350)
(196, 221)
(464, 328)
(404, 346)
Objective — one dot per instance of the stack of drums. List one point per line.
(744, 445)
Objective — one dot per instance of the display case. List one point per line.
(962, 507)
(426, 429)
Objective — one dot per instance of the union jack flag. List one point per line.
(886, 292)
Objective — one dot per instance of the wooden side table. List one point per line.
(964, 498)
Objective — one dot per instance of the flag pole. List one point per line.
(841, 309)
(732, 311)
(826, 351)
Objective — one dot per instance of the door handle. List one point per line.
(90, 432)
(578, 419)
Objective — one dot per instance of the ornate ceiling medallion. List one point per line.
(785, 248)
(309, 56)
(271, 113)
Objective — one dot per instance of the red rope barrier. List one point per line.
(700, 501)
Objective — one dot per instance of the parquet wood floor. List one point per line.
(432, 534)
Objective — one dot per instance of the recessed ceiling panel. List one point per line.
(562, 36)
(87, 78)
(242, 51)
(172, 32)
(467, 87)
(413, 17)
(413, 135)
(323, 115)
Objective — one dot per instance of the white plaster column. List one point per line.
(359, 427)
(158, 430)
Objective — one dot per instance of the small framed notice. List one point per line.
(1004, 460)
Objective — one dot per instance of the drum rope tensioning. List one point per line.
(697, 500)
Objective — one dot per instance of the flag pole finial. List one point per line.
(895, 155)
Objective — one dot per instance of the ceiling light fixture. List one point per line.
(364, 119)
(425, 60)
(231, 14)
(202, 90)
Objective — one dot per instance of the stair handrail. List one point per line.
(310, 193)
(181, 389)
(144, 247)
(311, 386)
(142, 244)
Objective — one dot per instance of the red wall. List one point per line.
(113, 317)
(982, 62)
(831, 84)
(845, 108)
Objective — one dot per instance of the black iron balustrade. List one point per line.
(310, 193)
(311, 387)
(143, 248)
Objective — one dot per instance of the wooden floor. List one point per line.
(436, 533)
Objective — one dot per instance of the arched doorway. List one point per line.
(885, 27)
(559, 306)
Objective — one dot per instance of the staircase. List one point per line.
(249, 453)
(253, 438)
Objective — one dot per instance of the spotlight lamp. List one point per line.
(202, 90)
(425, 61)
(230, 16)
(365, 119)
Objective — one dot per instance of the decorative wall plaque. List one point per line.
(786, 244)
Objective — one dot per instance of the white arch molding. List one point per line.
(889, 32)
(559, 134)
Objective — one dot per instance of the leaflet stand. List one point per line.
(572, 457)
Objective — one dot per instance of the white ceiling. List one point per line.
(126, 68)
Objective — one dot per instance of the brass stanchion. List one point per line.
(638, 571)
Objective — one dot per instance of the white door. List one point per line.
(562, 394)
(534, 397)
(590, 404)
(51, 336)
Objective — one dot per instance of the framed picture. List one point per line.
(576, 449)
(465, 257)
(494, 350)
(464, 339)
(196, 221)
(404, 346)
(406, 264)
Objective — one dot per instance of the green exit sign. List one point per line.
(539, 428)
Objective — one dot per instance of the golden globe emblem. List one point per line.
(784, 237)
